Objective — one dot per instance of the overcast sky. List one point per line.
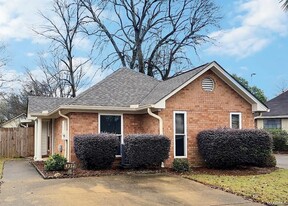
(253, 39)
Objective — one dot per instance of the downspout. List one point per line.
(68, 131)
(160, 126)
(157, 117)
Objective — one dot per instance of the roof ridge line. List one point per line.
(150, 91)
(189, 70)
(97, 84)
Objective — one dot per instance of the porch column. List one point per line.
(39, 138)
(35, 139)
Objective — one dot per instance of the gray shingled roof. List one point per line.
(278, 106)
(122, 88)
(38, 104)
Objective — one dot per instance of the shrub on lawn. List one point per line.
(181, 165)
(226, 148)
(280, 139)
(146, 150)
(96, 151)
(270, 161)
(55, 162)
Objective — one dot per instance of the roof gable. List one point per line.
(165, 88)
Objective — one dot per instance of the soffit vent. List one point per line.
(208, 84)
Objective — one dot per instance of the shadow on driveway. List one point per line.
(23, 186)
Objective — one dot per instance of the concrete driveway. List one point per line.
(23, 186)
(282, 160)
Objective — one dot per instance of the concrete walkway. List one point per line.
(282, 160)
(23, 186)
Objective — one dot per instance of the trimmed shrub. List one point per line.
(55, 162)
(270, 161)
(181, 165)
(145, 150)
(227, 148)
(96, 151)
(280, 139)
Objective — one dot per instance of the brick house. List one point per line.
(127, 102)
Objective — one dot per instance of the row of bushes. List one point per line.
(98, 151)
(280, 140)
(221, 148)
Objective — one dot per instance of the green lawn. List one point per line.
(1, 166)
(269, 188)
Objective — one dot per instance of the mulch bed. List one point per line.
(241, 171)
(79, 172)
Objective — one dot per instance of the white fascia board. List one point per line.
(160, 105)
(87, 108)
(272, 117)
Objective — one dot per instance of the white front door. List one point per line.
(44, 141)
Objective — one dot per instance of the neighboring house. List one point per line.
(277, 118)
(127, 102)
(18, 121)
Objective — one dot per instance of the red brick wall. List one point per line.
(149, 124)
(205, 110)
(81, 123)
(58, 136)
(132, 124)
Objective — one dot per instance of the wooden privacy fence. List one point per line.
(16, 142)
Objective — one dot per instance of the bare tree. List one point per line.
(153, 37)
(3, 56)
(281, 87)
(63, 30)
(284, 4)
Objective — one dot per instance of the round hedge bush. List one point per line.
(144, 150)
(227, 148)
(96, 151)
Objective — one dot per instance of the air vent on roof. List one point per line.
(208, 84)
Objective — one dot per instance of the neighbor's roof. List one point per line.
(23, 115)
(278, 106)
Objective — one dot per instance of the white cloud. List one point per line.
(18, 17)
(10, 81)
(30, 54)
(259, 22)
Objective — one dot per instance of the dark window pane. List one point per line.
(179, 139)
(235, 121)
(179, 118)
(272, 123)
(110, 124)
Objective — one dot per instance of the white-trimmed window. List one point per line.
(235, 120)
(112, 123)
(272, 124)
(180, 134)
